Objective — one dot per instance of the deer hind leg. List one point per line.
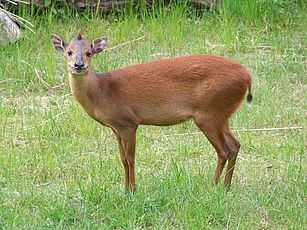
(218, 134)
(234, 147)
(214, 132)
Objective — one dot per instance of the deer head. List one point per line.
(78, 52)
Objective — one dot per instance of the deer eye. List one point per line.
(88, 54)
(69, 53)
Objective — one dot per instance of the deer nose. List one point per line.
(79, 65)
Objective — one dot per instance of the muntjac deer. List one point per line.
(205, 88)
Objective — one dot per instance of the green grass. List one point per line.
(60, 169)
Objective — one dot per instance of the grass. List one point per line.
(60, 169)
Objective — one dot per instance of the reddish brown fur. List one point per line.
(206, 88)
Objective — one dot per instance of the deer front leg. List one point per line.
(126, 139)
(123, 159)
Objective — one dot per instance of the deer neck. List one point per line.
(79, 85)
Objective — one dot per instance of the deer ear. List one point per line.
(58, 43)
(98, 45)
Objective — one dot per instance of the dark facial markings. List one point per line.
(80, 47)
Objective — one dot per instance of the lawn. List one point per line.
(60, 169)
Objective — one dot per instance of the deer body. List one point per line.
(165, 92)
(207, 89)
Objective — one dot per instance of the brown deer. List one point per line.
(205, 88)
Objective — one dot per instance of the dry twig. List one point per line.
(241, 130)
(125, 43)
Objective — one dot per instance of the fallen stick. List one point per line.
(240, 130)
(125, 43)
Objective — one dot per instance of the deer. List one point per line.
(205, 88)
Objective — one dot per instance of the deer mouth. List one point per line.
(78, 71)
